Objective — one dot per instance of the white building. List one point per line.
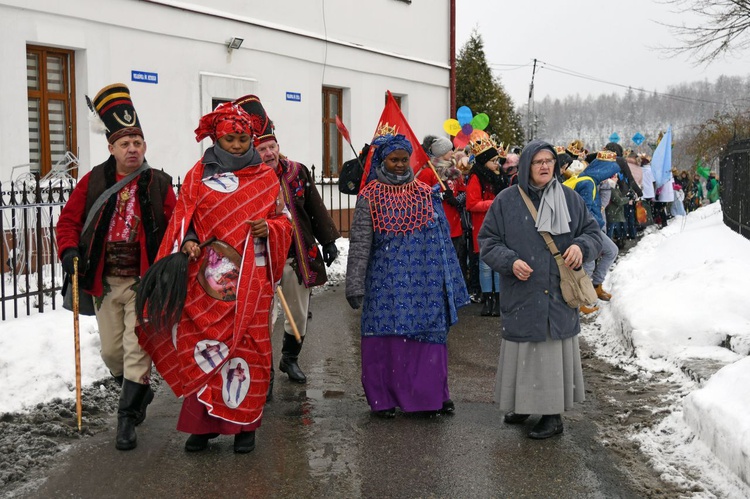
(307, 60)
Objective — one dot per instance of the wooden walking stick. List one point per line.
(288, 315)
(436, 174)
(77, 341)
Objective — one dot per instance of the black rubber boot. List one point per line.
(118, 380)
(289, 352)
(131, 400)
(269, 393)
(140, 416)
(495, 304)
(488, 303)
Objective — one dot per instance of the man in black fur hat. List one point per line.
(113, 224)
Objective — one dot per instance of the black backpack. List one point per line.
(351, 173)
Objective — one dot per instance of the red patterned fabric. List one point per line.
(226, 118)
(399, 208)
(221, 349)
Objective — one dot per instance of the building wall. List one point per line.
(297, 46)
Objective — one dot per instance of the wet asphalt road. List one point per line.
(319, 440)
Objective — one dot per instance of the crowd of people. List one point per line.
(485, 223)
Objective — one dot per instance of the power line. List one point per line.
(576, 74)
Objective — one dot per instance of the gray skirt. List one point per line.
(539, 377)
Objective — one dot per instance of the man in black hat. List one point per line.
(304, 267)
(113, 224)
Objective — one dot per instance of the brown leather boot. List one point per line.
(603, 295)
(588, 310)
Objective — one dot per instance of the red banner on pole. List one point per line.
(342, 129)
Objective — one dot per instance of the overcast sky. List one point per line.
(608, 40)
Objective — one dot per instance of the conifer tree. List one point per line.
(480, 90)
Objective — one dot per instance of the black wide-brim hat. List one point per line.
(263, 128)
(115, 108)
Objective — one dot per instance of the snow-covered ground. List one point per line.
(680, 306)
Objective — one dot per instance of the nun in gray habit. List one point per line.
(539, 370)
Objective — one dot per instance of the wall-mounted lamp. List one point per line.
(234, 44)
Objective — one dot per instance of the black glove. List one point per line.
(449, 198)
(67, 259)
(355, 301)
(330, 252)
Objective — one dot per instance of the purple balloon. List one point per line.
(467, 129)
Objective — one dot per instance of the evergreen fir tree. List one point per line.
(480, 90)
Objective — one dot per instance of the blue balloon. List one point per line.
(615, 137)
(464, 115)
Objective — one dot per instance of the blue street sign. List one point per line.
(144, 77)
(294, 96)
(615, 137)
(638, 138)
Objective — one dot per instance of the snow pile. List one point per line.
(37, 358)
(726, 397)
(680, 306)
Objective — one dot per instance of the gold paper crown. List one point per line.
(606, 156)
(576, 147)
(502, 151)
(386, 129)
(560, 150)
(481, 144)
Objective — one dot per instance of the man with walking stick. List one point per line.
(112, 225)
(310, 219)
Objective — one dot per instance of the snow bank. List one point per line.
(718, 414)
(680, 305)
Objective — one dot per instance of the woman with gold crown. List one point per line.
(485, 182)
(402, 270)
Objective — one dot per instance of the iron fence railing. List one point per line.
(29, 209)
(31, 270)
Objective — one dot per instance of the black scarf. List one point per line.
(487, 178)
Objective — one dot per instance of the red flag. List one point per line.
(342, 129)
(392, 122)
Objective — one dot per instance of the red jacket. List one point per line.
(478, 202)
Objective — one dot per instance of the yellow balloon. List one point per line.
(451, 126)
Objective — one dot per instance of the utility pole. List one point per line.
(529, 108)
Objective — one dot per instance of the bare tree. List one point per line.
(724, 27)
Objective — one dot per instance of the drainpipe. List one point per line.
(453, 59)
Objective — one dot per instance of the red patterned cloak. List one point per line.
(221, 348)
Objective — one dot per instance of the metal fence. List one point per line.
(734, 176)
(29, 209)
(31, 270)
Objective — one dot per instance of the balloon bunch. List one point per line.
(464, 124)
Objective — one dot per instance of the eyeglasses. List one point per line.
(545, 162)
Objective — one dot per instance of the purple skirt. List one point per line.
(399, 372)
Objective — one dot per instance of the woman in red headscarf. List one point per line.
(219, 354)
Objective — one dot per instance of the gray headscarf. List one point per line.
(553, 215)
